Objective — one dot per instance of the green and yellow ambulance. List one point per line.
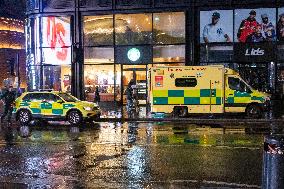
(184, 90)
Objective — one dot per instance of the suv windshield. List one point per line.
(67, 97)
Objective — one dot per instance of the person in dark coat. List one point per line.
(8, 98)
(97, 95)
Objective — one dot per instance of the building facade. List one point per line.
(12, 44)
(78, 45)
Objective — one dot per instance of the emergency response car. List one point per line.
(203, 89)
(53, 105)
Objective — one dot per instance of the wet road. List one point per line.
(129, 155)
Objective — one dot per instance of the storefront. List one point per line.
(80, 46)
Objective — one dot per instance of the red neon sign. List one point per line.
(55, 38)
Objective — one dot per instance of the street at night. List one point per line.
(131, 155)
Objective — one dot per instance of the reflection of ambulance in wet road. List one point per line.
(203, 89)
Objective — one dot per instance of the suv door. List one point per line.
(52, 106)
(33, 101)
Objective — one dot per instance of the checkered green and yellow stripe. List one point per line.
(187, 97)
(47, 108)
(244, 97)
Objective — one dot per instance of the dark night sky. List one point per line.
(13, 8)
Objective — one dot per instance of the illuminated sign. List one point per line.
(57, 40)
(133, 54)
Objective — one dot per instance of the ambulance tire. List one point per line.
(254, 111)
(24, 116)
(180, 112)
(74, 117)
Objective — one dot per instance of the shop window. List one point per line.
(216, 53)
(169, 28)
(185, 82)
(133, 29)
(169, 53)
(101, 76)
(98, 55)
(98, 30)
(57, 78)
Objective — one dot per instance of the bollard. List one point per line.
(273, 162)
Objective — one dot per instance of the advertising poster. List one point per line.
(159, 81)
(280, 24)
(216, 26)
(56, 40)
(255, 25)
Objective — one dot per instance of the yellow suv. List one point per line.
(53, 106)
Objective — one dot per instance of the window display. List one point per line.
(216, 26)
(101, 76)
(255, 25)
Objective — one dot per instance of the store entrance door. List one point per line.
(139, 74)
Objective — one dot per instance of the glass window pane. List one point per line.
(170, 53)
(98, 30)
(216, 53)
(169, 28)
(101, 76)
(133, 29)
(57, 78)
(33, 77)
(98, 55)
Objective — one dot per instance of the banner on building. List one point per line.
(255, 52)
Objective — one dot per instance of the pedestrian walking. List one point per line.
(8, 97)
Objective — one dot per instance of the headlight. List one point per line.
(87, 108)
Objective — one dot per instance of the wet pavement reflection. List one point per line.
(129, 155)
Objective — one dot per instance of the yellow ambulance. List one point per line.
(183, 90)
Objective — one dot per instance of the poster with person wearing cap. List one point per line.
(280, 24)
(248, 22)
(216, 26)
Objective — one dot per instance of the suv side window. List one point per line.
(32, 97)
(52, 98)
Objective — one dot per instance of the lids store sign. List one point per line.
(253, 53)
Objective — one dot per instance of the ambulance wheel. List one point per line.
(74, 117)
(180, 111)
(24, 116)
(253, 111)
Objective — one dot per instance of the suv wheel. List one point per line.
(24, 116)
(74, 117)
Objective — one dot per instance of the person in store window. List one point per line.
(256, 36)
(268, 28)
(97, 98)
(280, 27)
(213, 32)
(247, 27)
